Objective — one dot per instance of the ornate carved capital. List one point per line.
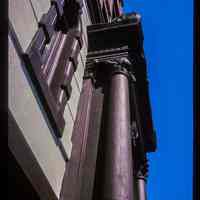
(142, 171)
(102, 70)
(126, 17)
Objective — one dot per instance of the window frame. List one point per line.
(54, 50)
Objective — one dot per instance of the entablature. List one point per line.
(109, 43)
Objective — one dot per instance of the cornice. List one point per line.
(112, 41)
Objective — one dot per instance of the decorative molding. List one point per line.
(128, 43)
(48, 21)
(142, 171)
(101, 11)
(52, 57)
(90, 163)
(71, 186)
(134, 17)
(96, 11)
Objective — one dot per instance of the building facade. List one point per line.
(80, 121)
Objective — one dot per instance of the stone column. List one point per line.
(117, 180)
(141, 184)
(141, 179)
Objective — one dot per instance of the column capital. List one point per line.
(105, 68)
(143, 169)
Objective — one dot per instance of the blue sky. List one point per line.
(168, 44)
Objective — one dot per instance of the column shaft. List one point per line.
(118, 172)
(141, 189)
